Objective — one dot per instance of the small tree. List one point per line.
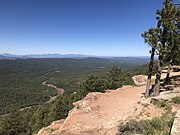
(93, 84)
(114, 78)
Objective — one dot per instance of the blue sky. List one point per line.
(92, 27)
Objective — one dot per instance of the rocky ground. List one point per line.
(101, 113)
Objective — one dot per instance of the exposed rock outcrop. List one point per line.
(168, 95)
(142, 79)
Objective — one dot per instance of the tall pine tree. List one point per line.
(166, 24)
(151, 37)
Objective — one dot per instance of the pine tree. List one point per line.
(114, 78)
(93, 84)
(165, 23)
(172, 55)
(151, 37)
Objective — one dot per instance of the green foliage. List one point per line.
(176, 100)
(168, 22)
(151, 37)
(14, 124)
(39, 118)
(113, 79)
(156, 126)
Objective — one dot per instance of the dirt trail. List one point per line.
(59, 90)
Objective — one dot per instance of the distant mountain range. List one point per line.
(56, 55)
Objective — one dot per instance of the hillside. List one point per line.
(102, 113)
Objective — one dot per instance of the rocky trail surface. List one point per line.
(101, 113)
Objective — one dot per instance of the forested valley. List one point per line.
(24, 99)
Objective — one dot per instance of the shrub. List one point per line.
(93, 84)
(176, 100)
(114, 78)
(160, 103)
(132, 127)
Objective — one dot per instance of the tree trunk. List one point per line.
(167, 80)
(147, 92)
(159, 67)
(158, 77)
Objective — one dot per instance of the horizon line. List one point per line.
(91, 55)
